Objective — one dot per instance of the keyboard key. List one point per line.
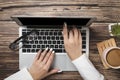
(30, 38)
(83, 51)
(26, 39)
(27, 46)
(41, 33)
(40, 42)
(50, 33)
(55, 33)
(83, 34)
(62, 42)
(84, 38)
(37, 32)
(56, 46)
(23, 33)
(57, 38)
(51, 46)
(58, 42)
(58, 50)
(23, 29)
(59, 33)
(37, 50)
(33, 50)
(83, 42)
(38, 46)
(47, 46)
(43, 46)
(31, 42)
(39, 37)
(83, 46)
(28, 50)
(44, 38)
(45, 42)
(54, 42)
(83, 31)
(34, 46)
(60, 46)
(48, 38)
(61, 38)
(49, 42)
(36, 42)
(35, 38)
(46, 33)
(53, 38)
(23, 50)
(25, 42)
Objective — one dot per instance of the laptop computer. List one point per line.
(49, 35)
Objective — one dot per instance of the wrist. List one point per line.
(76, 56)
(31, 73)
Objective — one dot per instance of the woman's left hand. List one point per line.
(41, 65)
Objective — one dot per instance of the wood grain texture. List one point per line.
(104, 10)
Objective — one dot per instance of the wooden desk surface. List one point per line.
(104, 10)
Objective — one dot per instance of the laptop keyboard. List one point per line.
(43, 38)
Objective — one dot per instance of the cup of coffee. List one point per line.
(111, 57)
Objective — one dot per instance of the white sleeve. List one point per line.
(86, 68)
(20, 75)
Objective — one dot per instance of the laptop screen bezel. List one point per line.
(16, 18)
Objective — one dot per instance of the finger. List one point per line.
(38, 55)
(53, 71)
(50, 60)
(71, 37)
(80, 37)
(43, 54)
(76, 33)
(65, 32)
(47, 56)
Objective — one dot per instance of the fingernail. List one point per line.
(46, 49)
(59, 71)
(51, 49)
(65, 23)
(62, 32)
(53, 52)
(39, 50)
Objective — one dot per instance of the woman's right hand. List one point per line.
(72, 42)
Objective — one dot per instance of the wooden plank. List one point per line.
(9, 54)
(9, 66)
(46, 3)
(55, 8)
(5, 49)
(100, 15)
(21, 3)
(109, 3)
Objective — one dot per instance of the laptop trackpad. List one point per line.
(63, 62)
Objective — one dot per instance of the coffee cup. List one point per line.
(111, 56)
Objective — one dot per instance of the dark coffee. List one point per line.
(113, 57)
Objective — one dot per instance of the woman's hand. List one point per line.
(72, 42)
(41, 65)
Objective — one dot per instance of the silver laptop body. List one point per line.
(45, 39)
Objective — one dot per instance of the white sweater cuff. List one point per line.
(20, 75)
(86, 68)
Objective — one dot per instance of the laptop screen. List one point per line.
(29, 21)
